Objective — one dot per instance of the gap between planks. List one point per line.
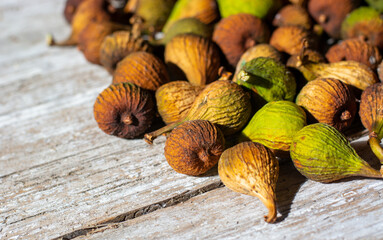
(135, 213)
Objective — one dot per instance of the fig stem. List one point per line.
(149, 137)
(69, 42)
(269, 202)
(375, 147)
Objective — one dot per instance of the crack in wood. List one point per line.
(115, 221)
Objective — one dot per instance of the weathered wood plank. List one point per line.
(348, 209)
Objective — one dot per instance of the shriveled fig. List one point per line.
(290, 39)
(350, 72)
(371, 115)
(269, 78)
(124, 110)
(329, 101)
(192, 57)
(143, 69)
(174, 100)
(118, 45)
(204, 10)
(237, 33)
(365, 23)
(275, 124)
(70, 8)
(222, 102)
(252, 169)
(92, 36)
(259, 50)
(86, 12)
(187, 25)
(292, 14)
(323, 154)
(194, 147)
(356, 50)
(330, 14)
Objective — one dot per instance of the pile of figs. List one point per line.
(240, 84)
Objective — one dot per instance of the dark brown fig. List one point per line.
(174, 100)
(356, 50)
(92, 36)
(194, 147)
(371, 115)
(290, 39)
(193, 57)
(143, 69)
(88, 11)
(330, 14)
(292, 15)
(124, 110)
(222, 102)
(237, 33)
(329, 101)
(70, 8)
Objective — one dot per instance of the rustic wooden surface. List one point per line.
(61, 177)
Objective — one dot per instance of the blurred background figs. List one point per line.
(192, 57)
(237, 33)
(143, 69)
(258, 8)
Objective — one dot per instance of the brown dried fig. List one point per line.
(330, 14)
(124, 110)
(329, 101)
(237, 33)
(371, 115)
(88, 11)
(356, 50)
(289, 39)
(143, 69)
(118, 45)
(70, 8)
(174, 100)
(292, 15)
(192, 57)
(194, 147)
(91, 38)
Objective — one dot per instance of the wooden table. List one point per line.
(62, 177)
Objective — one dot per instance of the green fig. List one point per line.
(323, 154)
(269, 78)
(222, 102)
(258, 8)
(187, 25)
(376, 4)
(275, 124)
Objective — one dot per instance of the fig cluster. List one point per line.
(236, 87)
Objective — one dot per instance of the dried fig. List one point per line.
(259, 50)
(192, 57)
(204, 10)
(289, 39)
(274, 125)
(222, 102)
(356, 50)
(143, 69)
(330, 14)
(371, 115)
(124, 110)
(268, 78)
(365, 23)
(70, 8)
(237, 33)
(118, 45)
(329, 101)
(194, 147)
(292, 15)
(323, 154)
(174, 100)
(252, 169)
